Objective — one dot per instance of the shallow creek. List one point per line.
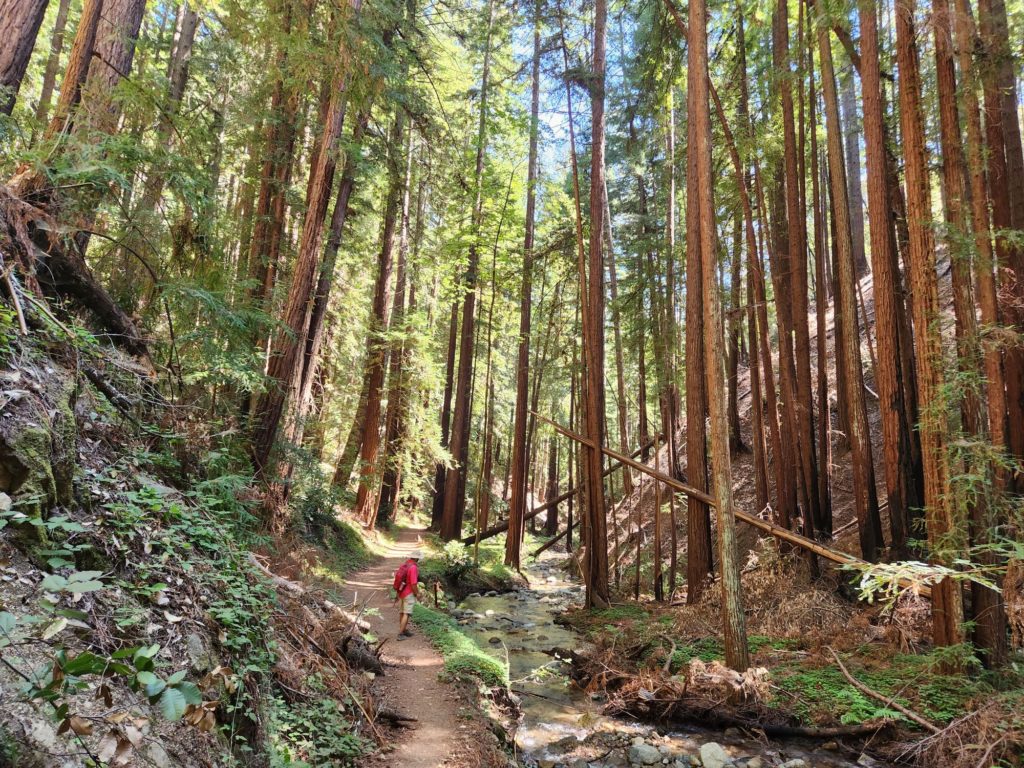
(563, 726)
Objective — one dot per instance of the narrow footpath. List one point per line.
(439, 737)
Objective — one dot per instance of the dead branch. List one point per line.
(668, 659)
(12, 289)
(879, 697)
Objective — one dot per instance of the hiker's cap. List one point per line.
(416, 554)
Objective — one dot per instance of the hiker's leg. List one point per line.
(403, 622)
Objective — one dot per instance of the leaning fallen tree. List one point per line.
(40, 261)
(503, 525)
(784, 534)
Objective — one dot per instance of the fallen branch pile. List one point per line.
(708, 694)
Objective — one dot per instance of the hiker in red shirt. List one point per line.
(407, 589)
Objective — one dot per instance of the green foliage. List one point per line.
(454, 566)
(67, 675)
(822, 692)
(312, 734)
(825, 692)
(457, 559)
(462, 656)
(8, 332)
(624, 612)
(205, 533)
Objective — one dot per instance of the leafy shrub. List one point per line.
(458, 559)
(314, 734)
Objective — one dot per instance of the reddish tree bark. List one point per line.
(987, 609)
(947, 607)
(454, 487)
(20, 20)
(376, 346)
(285, 366)
(848, 339)
(596, 560)
(53, 60)
(733, 621)
(796, 265)
(517, 503)
(898, 451)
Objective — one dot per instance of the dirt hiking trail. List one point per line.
(440, 737)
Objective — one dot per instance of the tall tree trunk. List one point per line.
(596, 561)
(698, 539)
(735, 327)
(848, 344)
(317, 317)
(823, 525)
(947, 607)
(517, 503)
(440, 472)
(286, 355)
(114, 52)
(798, 285)
(53, 60)
(987, 609)
(657, 577)
(851, 134)
(620, 364)
(77, 69)
(377, 346)
(733, 620)
(1006, 180)
(551, 523)
(275, 173)
(898, 452)
(698, 517)
(572, 458)
(762, 373)
(451, 517)
(20, 20)
(177, 76)
(395, 421)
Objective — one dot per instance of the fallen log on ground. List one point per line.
(297, 590)
(722, 720)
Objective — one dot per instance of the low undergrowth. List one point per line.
(311, 734)
(818, 693)
(135, 621)
(806, 688)
(454, 567)
(462, 656)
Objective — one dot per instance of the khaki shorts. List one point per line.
(407, 603)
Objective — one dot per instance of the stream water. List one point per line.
(562, 726)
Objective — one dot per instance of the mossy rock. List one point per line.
(38, 445)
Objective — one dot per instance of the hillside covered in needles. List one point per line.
(543, 383)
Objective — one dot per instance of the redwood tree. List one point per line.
(20, 20)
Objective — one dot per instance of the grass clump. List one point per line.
(462, 656)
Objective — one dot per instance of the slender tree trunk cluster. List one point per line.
(842, 308)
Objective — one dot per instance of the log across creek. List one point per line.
(501, 527)
(842, 558)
